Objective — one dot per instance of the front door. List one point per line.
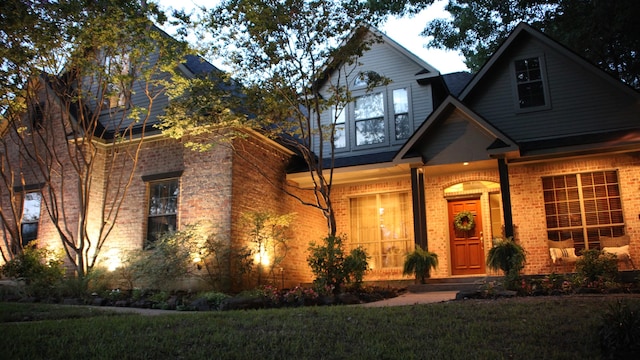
(467, 246)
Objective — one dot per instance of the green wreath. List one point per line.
(464, 221)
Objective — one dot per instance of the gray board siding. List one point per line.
(581, 102)
(119, 119)
(386, 61)
(454, 140)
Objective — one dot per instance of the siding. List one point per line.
(581, 102)
(389, 62)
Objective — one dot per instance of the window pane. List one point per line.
(31, 207)
(403, 130)
(369, 106)
(29, 232)
(529, 81)
(400, 101)
(370, 131)
(339, 135)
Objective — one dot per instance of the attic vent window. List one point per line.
(367, 78)
(531, 87)
(37, 115)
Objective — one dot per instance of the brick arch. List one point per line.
(468, 178)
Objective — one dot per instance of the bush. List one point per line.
(40, 269)
(332, 268)
(597, 266)
(620, 332)
(169, 259)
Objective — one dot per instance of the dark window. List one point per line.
(530, 83)
(583, 207)
(37, 115)
(163, 209)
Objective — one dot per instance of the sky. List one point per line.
(404, 30)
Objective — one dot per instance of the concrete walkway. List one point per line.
(410, 298)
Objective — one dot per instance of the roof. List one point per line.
(457, 81)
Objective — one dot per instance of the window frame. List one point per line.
(353, 124)
(31, 222)
(378, 259)
(578, 209)
(393, 114)
(543, 79)
(148, 241)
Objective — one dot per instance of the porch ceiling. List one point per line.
(356, 174)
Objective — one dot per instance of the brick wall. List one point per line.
(528, 203)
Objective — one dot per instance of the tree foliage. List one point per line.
(69, 125)
(279, 51)
(604, 32)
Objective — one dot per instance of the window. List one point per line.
(37, 115)
(530, 83)
(30, 216)
(117, 68)
(583, 207)
(163, 208)
(340, 133)
(401, 114)
(382, 224)
(369, 119)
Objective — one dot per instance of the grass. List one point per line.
(527, 328)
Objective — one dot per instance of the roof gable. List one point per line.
(454, 133)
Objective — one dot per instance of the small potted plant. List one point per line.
(419, 263)
(508, 256)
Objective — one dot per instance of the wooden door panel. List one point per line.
(467, 247)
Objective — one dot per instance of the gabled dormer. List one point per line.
(392, 92)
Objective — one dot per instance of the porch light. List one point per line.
(465, 163)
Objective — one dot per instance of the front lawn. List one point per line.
(563, 327)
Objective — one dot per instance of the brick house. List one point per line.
(539, 144)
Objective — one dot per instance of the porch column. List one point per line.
(505, 191)
(419, 210)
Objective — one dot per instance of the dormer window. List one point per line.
(366, 78)
(117, 69)
(531, 89)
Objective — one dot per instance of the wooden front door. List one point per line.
(467, 246)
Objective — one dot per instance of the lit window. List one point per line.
(401, 114)
(369, 119)
(583, 207)
(529, 81)
(340, 133)
(382, 224)
(163, 209)
(30, 216)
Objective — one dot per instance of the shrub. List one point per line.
(597, 266)
(40, 269)
(419, 263)
(332, 268)
(356, 265)
(167, 260)
(620, 332)
(214, 299)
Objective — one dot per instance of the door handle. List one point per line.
(481, 240)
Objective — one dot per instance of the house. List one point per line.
(539, 144)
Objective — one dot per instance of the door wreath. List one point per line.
(464, 221)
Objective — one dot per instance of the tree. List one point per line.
(604, 32)
(279, 52)
(70, 125)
